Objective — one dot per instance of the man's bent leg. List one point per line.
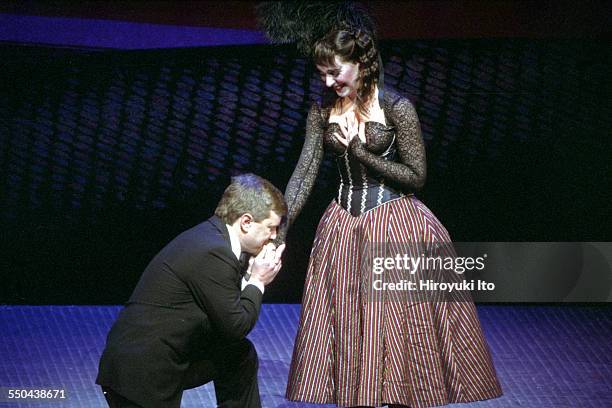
(236, 383)
(233, 368)
(115, 400)
(200, 372)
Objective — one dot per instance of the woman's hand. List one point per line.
(351, 127)
(267, 263)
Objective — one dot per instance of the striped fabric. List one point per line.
(358, 347)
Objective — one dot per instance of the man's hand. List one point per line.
(267, 263)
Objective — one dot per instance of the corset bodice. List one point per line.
(362, 189)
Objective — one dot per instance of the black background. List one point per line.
(106, 155)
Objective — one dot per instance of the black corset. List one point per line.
(361, 189)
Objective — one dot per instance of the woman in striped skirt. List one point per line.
(362, 339)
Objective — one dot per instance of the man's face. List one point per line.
(258, 234)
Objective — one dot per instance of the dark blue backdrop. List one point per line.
(106, 155)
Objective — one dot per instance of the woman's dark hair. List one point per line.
(353, 46)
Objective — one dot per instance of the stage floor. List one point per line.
(546, 356)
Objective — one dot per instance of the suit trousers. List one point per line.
(232, 368)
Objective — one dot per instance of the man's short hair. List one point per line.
(249, 193)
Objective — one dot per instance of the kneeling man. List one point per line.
(187, 320)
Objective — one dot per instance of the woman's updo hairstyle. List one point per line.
(354, 46)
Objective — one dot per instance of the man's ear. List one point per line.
(246, 221)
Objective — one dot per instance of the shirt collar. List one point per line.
(234, 241)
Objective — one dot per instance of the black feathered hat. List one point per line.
(305, 22)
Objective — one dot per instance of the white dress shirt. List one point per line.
(236, 249)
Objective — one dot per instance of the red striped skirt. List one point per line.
(357, 349)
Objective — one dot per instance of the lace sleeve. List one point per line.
(305, 173)
(411, 171)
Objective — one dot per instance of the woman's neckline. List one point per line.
(375, 104)
(367, 122)
(351, 104)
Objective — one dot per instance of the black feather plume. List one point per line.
(304, 22)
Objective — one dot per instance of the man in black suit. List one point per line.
(187, 320)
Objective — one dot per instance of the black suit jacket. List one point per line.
(187, 299)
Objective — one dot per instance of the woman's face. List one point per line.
(342, 76)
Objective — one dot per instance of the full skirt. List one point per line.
(357, 346)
